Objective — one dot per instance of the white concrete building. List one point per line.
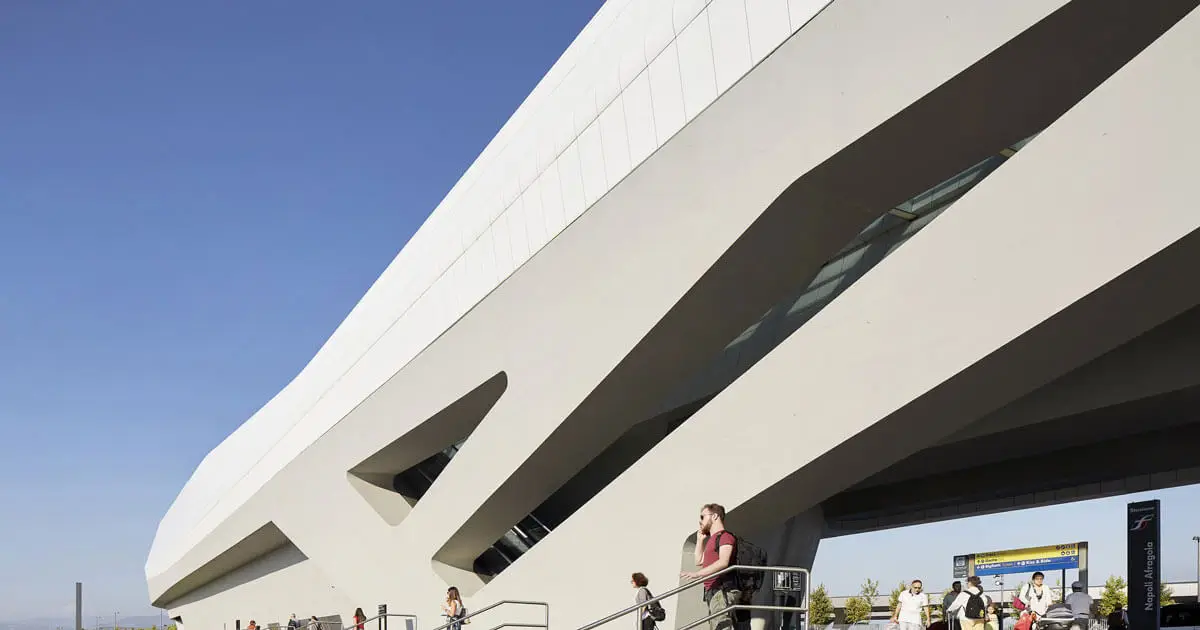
(675, 276)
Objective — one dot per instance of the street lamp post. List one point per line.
(1196, 539)
(115, 620)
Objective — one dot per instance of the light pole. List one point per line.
(115, 620)
(1196, 539)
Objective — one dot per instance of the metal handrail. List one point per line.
(364, 622)
(726, 611)
(517, 602)
(679, 589)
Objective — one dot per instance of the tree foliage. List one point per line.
(858, 608)
(820, 607)
(1165, 595)
(894, 597)
(1113, 597)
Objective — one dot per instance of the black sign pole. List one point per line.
(1145, 563)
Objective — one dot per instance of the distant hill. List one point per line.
(65, 623)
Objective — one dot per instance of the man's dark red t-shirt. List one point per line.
(712, 553)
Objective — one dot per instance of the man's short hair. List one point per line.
(717, 509)
(1038, 574)
(974, 581)
(957, 583)
(639, 580)
(918, 582)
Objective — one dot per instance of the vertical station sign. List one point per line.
(1145, 563)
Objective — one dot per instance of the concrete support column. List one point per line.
(793, 544)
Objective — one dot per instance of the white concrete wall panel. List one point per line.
(572, 304)
(696, 72)
(666, 93)
(730, 41)
(769, 24)
(639, 119)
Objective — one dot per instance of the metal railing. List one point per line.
(728, 610)
(381, 621)
(515, 602)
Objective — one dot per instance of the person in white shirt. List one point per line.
(959, 607)
(1036, 596)
(912, 611)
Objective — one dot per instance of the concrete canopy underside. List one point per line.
(998, 303)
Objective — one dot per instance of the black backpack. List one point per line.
(976, 608)
(745, 553)
(657, 612)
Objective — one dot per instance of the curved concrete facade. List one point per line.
(566, 316)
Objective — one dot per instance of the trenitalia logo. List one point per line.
(1142, 523)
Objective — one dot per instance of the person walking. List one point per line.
(951, 620)
(1080, 603)
(649, 615)
(912, 610)
(971, 605)
(715, 550)
(453, 608)
(1036, 597)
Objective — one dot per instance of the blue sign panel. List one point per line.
(1054, 557)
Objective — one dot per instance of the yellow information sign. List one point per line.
(1029, 559)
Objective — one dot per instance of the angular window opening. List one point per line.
(580, 489)
(394, 478)
(414, 482)
(870, 247)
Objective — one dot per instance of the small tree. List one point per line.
(894, 598)
(1165, 595)
(1113, 597)
(870, 590)
(858, 608)
(820, 608)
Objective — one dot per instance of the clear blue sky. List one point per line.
(192, 197)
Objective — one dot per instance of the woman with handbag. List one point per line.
(453, 608)
(653, 612)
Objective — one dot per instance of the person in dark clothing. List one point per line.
(951, 620)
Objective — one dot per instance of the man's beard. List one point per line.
(706, 529)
